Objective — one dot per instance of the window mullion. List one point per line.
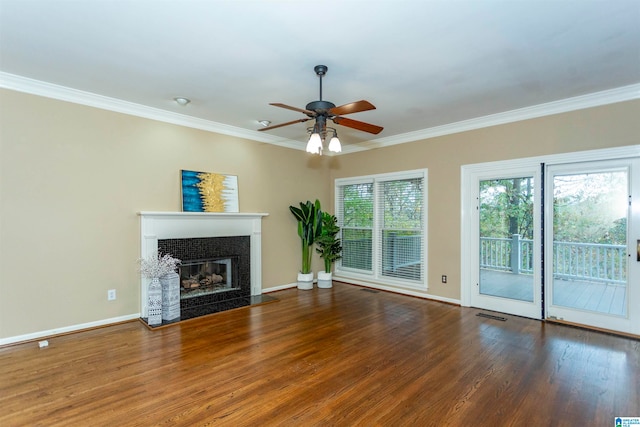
(378, 220)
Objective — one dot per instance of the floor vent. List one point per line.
(490, 316)
(373, 291)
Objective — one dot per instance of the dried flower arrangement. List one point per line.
(158, 265)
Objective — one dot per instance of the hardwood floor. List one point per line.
(332, 357)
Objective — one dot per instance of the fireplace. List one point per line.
(214, 271)
(220, 253)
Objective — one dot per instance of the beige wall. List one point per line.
(72, 179)
(609, 126)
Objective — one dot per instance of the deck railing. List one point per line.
(399, 251)
(515, 254)
(573, 261)
(590, 261)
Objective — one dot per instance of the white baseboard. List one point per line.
(396, 290)
(279, 288)
(402, 291)
(67, 329)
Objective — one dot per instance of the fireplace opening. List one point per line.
(208, 276)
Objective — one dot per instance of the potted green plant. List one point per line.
(309, 216)
(329, 247)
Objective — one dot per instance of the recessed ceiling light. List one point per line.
(264, 123)
(182, 101)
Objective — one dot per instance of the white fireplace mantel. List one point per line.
(185, 225)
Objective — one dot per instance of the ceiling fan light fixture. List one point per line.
(334, 144)
(314, 145)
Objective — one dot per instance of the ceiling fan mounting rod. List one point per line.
(320, 107)
(320, 70)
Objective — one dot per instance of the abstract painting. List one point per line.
(209, 192)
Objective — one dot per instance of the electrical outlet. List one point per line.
(111, 294)
(444, 278)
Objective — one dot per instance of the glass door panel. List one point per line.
(591, 275)
(508, 279)
(506, 238)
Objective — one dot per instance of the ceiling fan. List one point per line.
(321, 111)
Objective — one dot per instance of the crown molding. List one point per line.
(49, 90)
(596, 99)
(63, 93)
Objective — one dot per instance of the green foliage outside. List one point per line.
(357, 217)
(357, 210)
(591, 208)
(588, 208)
(402, 204)
(506, 208)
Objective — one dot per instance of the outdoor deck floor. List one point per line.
(592, 296)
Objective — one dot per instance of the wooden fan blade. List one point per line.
(354, 107)
(285, 124)
(355, 124)
(288, 107)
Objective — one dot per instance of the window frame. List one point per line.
(375, 275)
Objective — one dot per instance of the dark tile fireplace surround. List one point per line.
(234, 248)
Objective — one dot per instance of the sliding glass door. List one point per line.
(555, 237)
(592, 244)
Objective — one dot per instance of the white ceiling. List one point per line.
(430, 67)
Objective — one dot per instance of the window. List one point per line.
(383, 223)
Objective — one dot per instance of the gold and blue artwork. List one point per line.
(209, 192)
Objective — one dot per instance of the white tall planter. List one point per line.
(170, 296)
(324, 280)
(154, 303)
(305, 281)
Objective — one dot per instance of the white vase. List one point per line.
(154, 302)
(305, 281)
(324, 280)
(170, 296)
